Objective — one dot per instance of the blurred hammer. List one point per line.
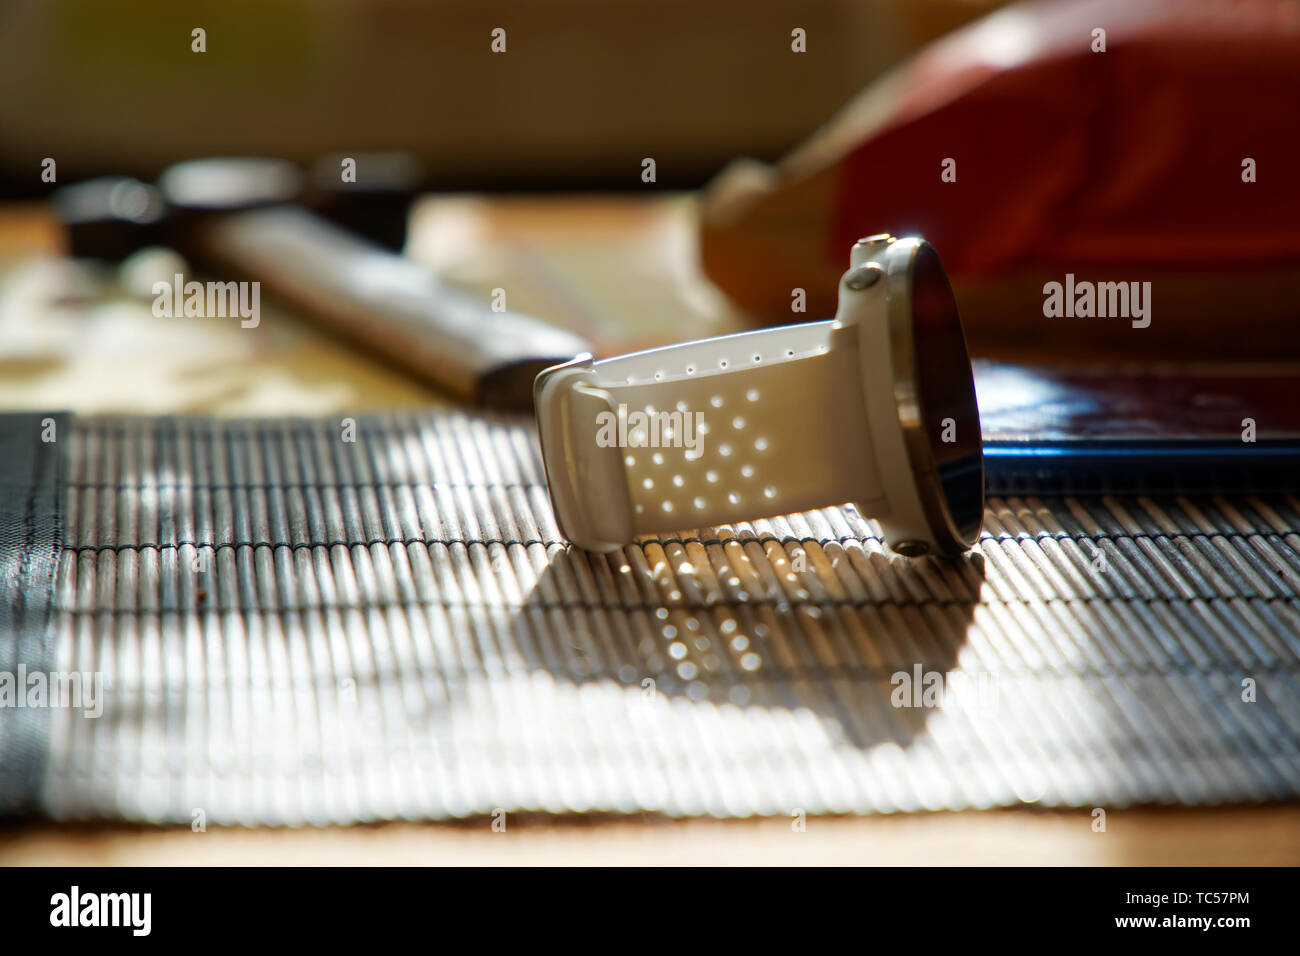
(241, 217)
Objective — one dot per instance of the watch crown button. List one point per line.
(863, 276)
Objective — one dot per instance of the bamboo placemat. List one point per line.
(299, 628)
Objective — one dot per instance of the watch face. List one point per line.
(945, 387)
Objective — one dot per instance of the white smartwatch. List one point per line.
(875, 407)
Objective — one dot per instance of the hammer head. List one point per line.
(111, 217)
(368, 193)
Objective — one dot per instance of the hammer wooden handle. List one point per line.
(389, 303)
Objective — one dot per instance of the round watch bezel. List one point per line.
(919, 420)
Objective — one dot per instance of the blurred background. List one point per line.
(1147, 141)
(512, 163)
(585, 90)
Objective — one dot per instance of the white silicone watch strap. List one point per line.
(782, 421)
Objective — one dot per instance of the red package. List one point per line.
(1084, 142)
